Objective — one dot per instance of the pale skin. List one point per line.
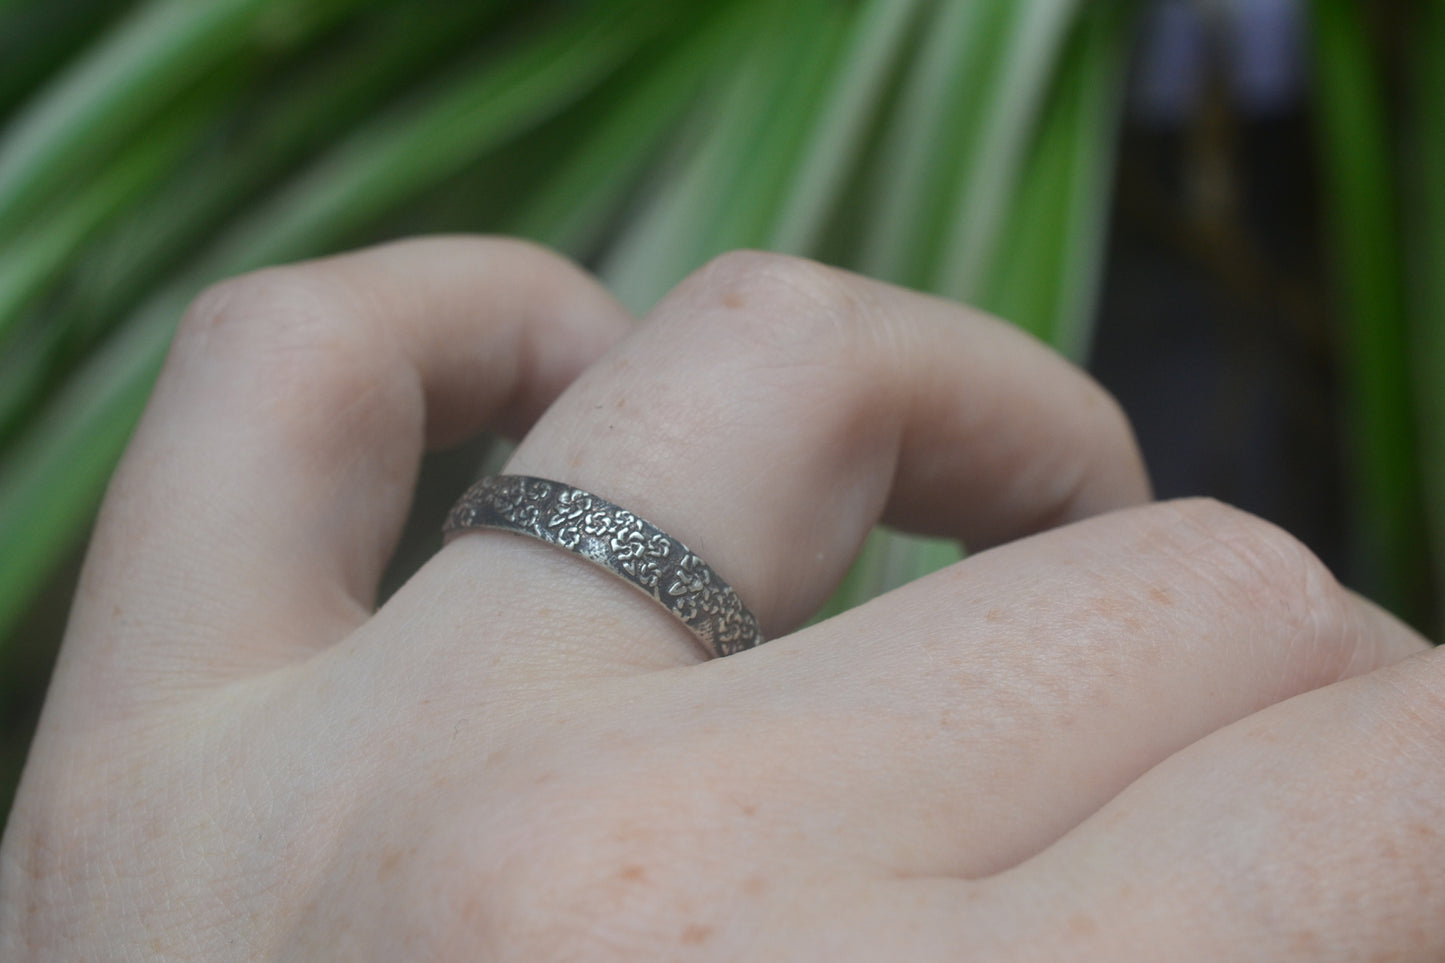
(1118, 731)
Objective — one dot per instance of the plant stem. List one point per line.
(1427, 166)
(1361, 198)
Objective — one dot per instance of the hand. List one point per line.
(1159, 733)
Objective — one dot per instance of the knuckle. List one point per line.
(274, 315)
(1258, 568)
(298, 344)
(1417, 714)
(1113, 422)
(1255, 555)
(803, 337)
(790, 307)
(242, 304)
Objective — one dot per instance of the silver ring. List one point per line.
(632, 548)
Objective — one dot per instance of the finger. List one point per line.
(982, 712)
(772, 409)
(1314, 830)
(272, 471)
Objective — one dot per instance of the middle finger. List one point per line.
(982, 712)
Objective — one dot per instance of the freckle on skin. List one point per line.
(994, 615)
(696, 933)
(1306, 944)
(1081, 925)
(755, 885)
(388, 864)
(633, 874)
(1107, 606)
(733, 300)
(1161, 596)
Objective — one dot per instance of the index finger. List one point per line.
(272, 471)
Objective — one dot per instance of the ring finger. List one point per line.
(767, 414)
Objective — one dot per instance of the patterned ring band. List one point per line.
(617, 540)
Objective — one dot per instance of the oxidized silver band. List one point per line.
(617, 540)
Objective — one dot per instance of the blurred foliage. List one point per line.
(149, 148)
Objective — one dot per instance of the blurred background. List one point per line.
(1232, 210)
